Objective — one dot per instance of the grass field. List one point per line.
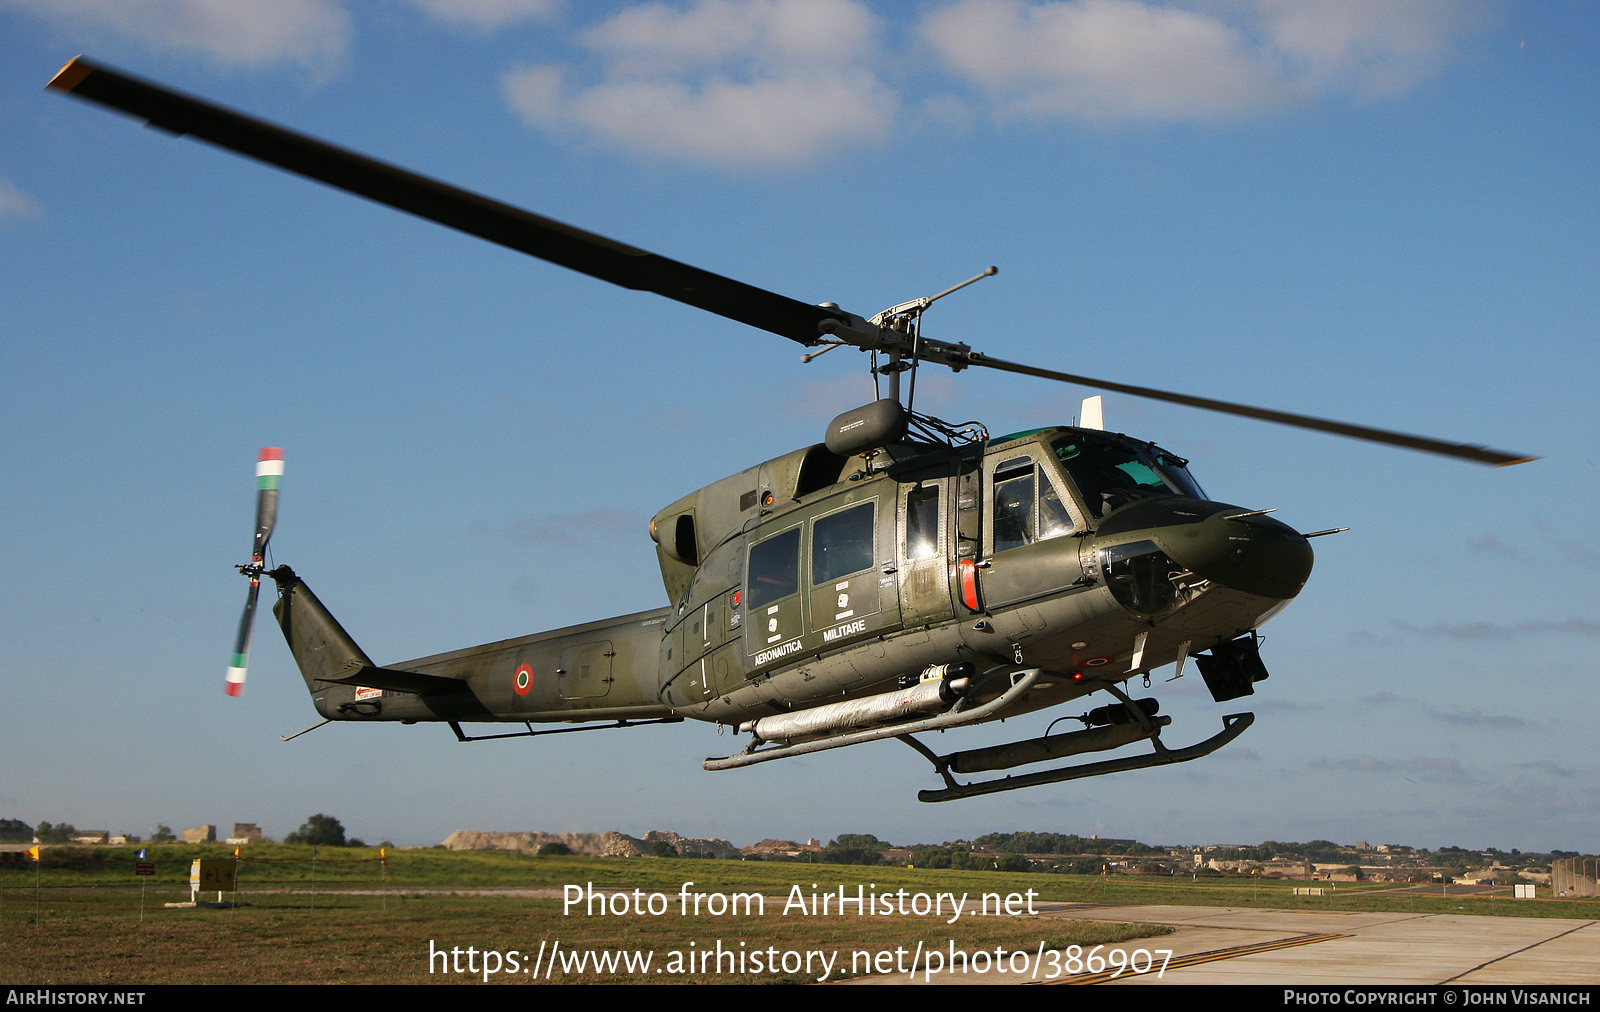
(362, 921)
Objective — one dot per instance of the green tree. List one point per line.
(163, 834)
(555, 848)
(863, 841)
(320, 831)
(952, 855)
(854, 848)
(59, 833)
(15, 831)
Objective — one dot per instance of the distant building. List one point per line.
(202, 834)
(245, 833)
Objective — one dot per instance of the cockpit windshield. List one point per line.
(1111, 473)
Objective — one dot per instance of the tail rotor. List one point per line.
(269, 475)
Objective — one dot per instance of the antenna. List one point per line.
(1093, 413)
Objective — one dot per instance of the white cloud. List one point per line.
(1102, 60)
(487, 15)
(722, 83)
(1438, 770)
(16, 204)
(253, 34)
(1116, 60)
(1373, 46)
(1473, 631)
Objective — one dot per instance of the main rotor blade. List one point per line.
(1465, 451)
(469, 212)
(603, 258)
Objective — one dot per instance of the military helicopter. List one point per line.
(905, 575)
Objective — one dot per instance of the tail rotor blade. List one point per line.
(241, 645)
(269, 476)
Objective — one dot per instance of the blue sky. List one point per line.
(1373, 211)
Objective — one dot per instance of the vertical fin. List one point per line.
(321, 647)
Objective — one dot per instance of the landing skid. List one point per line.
(1234, 724)
(759, 751)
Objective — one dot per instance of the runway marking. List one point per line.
(1195, 959)
(1525, 948)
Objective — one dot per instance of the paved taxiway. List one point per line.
(1231, 945)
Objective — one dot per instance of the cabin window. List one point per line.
(842, 543)
(922, 523)
(774, 569)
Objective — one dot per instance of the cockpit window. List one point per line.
(1111, 473)
(1027, 507)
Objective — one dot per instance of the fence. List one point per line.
(1575, 876)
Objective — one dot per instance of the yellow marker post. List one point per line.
(33, 852)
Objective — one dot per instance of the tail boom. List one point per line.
(607, 670)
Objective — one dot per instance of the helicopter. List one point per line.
(905, 575)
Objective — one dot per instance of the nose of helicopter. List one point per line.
(1227, 545)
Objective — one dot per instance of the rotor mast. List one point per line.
(906, 318)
